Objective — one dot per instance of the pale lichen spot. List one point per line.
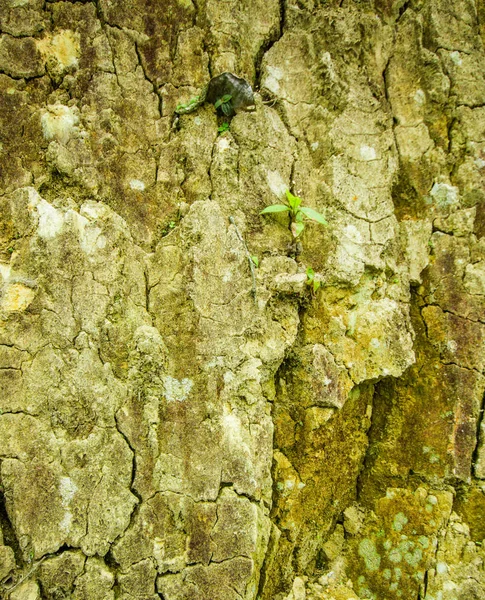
(64, 47)
(399, 521)
(419, 97)
(368, 153)
(16, 297)
(413, 558)
(92, 240)
(387, 545)
(452, 346)
(232, 426)
(368, 551)
(5, 271)
(137, 184)
(456, 58)
(51, 220)
(65, 524)
(223, 144)
(276, 183)
(441, 568)
(395, 556)
(353, 234)
(177, 390)
(93, 210)
(228, 377)
(59, 122)
(444, 194)
(314, 146)
(227, 276)
(273, 78)
(67, 488)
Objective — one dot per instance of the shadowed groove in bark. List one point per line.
(9, 536)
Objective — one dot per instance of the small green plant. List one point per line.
(310, 279)
(189, 104)
(224, 104)
(297, 213)
(10, 250)
(168, 228)
(224, 127)
(255, 260)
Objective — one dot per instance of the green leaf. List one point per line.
(226, 108)
(275, 208)
(224, 100)
(255, 260)
(189, 103)
(224, 127)
(310, 273)
(313, 215)
(297, 229)
(293, 201)
(299, 216)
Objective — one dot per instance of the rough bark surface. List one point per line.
(168, 431)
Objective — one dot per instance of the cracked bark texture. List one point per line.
(163, 434)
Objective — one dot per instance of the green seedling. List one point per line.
(224, 127)
(190, 103)
(168, 228)
(224, 104)
(255, 260)
(297, 213)
(310, 279)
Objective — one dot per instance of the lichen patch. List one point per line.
(59, 122)
(64, 47)
(16, 297)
